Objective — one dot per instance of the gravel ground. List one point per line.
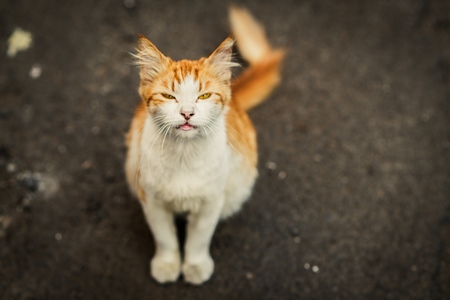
(353, 197)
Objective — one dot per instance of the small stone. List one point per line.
(249, 275)
(271, 165)
(5, 221)
(58, 236)
(106, 89)
(414, 268)
(297, 240)
(129, 3)
(315, 269)
(87, 164)
(10, 168)
(307, 266)
(36, 71)
(282, 175)
(20, 40)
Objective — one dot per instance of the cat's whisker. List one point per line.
(207, 142)
(161, 149)
(157, 135)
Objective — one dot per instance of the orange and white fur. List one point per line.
(192, 147)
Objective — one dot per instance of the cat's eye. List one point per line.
(167, 96)
(204, 96)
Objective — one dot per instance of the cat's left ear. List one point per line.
(220, 59)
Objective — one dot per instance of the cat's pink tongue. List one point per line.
(186, 126)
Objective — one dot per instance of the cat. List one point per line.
(191, 145)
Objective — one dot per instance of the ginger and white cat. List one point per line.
(192, 147)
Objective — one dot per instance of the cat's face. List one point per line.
(185, 98)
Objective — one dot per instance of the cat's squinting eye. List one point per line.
(167, 96)
(204, 96)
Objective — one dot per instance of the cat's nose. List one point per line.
(187, 114)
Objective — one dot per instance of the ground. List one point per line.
(353, 195)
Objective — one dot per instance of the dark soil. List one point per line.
(356, 206)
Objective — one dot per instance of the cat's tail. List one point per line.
(263, 75)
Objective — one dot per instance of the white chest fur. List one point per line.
(183, 173)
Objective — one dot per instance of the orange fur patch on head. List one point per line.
(181, 69)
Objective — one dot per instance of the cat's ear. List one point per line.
(221, 59)
(150, 59)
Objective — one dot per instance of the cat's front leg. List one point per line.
(165, 266)
(198, 265)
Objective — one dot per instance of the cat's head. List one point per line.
(185, 97)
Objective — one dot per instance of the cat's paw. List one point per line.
(165, 271)
(198, 272)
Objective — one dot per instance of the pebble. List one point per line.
(129, 3)
(307, 266)
(249, 275)
(58, 236)
(315, 269)
(5, 221)
(297, 240)
(36, 71)
(10, 168)
(271, 165)
(20, 40)
(87, 164)
(282, 175)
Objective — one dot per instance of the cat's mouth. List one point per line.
(186, 127)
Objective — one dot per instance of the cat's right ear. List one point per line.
(150, 59)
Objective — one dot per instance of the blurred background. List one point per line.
(353, 197)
